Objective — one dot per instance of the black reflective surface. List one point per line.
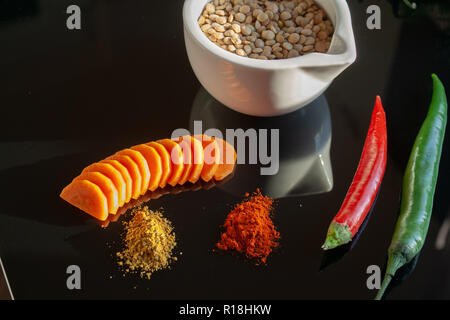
(69, 98)
(301, 169)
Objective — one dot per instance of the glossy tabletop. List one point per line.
(70, 98)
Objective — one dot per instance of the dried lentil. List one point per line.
(241, 26)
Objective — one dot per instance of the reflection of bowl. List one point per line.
(274, 87)
(304, 147)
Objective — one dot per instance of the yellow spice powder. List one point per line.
(149, 243)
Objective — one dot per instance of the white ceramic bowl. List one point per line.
(268, 87)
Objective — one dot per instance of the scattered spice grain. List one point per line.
(149, 243)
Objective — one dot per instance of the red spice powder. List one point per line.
(249, 228)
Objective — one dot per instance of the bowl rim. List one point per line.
(342, 27)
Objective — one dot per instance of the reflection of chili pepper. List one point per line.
(419, 184)
(411, 5)
(365, 185)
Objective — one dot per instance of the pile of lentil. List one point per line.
(267, 30)
(249, 228)
(149, 243)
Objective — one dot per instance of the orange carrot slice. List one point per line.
(165, 162)
(154, 164)
(125, 176)
(196, 150)
(133, 169)
(198, 160)
(176, 156)
(88, 197)
(185, 145)
(227, 159)
(112, 173)
(211, 156)
(139, 159)
(107, 187)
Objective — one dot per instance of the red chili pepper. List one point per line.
(365, 184)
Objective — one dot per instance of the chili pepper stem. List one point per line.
(337, 235)
(395, 262)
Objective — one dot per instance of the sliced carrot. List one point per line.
(211, 156)
(133, 169)
(139, 159)
(176, 156)
(88, 197)
(154, 164)
(185, 145)
(227, 159)
(113, 174)
(125, 176)
(165, 162)
(113, 182)
(198, 163)
(107, 187)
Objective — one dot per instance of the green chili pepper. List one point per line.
(419, 183)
